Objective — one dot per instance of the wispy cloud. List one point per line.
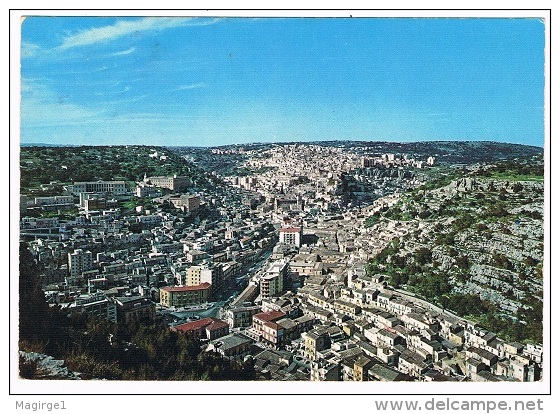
(124, 52)
(43, 107)
(125, 101)
(29, 49)
(105, 93)
(40, 105)
(191, 86)
(127, 27)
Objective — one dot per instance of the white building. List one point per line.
(54, 200)
(143, 190)
(291, 236)
(272, 283)
(79, 262)
(111, 187)
(174, 183)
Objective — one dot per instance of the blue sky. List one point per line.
(216, 81)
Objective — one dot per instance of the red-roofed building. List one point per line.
(269, 316)
(265, 327)
(179, 296)
(273, 333)
(209, 328)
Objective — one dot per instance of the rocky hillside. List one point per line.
(474, 246)
(33, 365)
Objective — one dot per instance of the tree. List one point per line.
(423, 255)
(464, 304)
(424, 214)
(33, 308)
(462, 262)
(399, 279)
(501, 261)
(464, 221)
(529, 261)
(398, 261)
(372, 220)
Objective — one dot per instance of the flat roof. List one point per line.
(231, 341)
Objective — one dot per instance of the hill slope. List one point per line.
(474, 246)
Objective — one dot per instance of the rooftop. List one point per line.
(206, 323)
(202, 286)
(290, 230)
(269, 316)
(231, 341)
(386, 373)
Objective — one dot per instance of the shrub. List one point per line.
(423, 255)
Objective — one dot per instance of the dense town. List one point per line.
(269, 267)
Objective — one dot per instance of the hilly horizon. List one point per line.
(320, 142)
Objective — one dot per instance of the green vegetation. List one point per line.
(404, 210)
(508, 328)
(62, 215)
(225, 164)
(463, 221)
(418, 274)
(516, 177)
(502, 262)
(488, 316)
(423, 255)
(466, 226)
(525, 169)
(431, 285)
(464, 305)
(462, 262)
(130, 204)
(42, 165)
(371, 221)
(415, 271)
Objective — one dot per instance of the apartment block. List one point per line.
(178, 296)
